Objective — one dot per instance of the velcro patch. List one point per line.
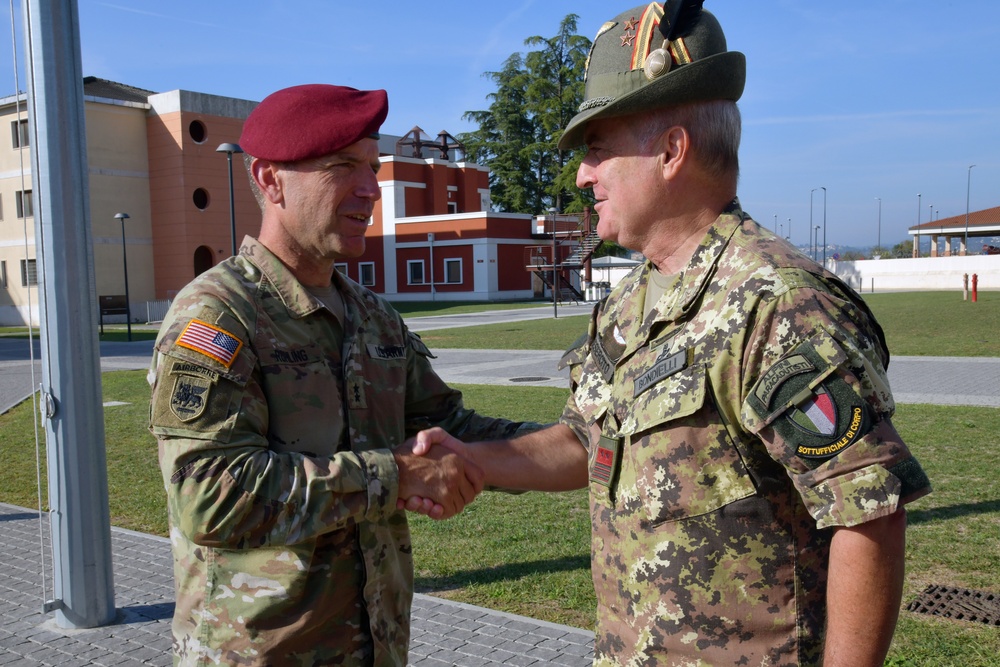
(605, 462)
(211, 341)
(387, 351)
(812, 408)
(665, 366)
(189, 395)
(607, 351)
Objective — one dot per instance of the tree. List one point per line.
(517, 138)
(902, 250)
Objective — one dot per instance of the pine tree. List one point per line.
(536, 96)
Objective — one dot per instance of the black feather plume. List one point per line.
(679, 18)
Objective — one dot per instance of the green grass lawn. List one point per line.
(939, 324)
(936, 324)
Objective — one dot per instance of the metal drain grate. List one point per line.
(960, 604)
(530, 378)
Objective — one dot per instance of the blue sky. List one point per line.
(872, 99)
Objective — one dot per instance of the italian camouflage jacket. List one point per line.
(728, 431)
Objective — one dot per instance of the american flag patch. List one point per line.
(211, 341)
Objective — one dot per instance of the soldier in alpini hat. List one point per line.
(730, 410)
(282, 395)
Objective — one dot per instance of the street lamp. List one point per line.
(555, 265)
(816, 254)
(824, 225)
(811, 222)
(968, 186)
(229, 149)
(878, 244)
(917, 248)
(128, 309)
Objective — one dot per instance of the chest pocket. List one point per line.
(679, 459)
(303, 389)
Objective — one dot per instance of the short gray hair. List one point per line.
(257, 194)
(714, 127)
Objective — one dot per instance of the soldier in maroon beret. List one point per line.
(282, 395)
(730, 408)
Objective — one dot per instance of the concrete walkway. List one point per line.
(443, 633)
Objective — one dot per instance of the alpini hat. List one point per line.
(312, 120)
(655, 56)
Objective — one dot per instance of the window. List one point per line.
(198, 131)
(3, 273)
(28, 273)
(452, 207)
(200, 198)
(415, 271)
(22, 200)
(366, 272)
(19, 133)
(342, 268)
(453, 271)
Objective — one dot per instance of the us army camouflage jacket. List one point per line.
(744, 417)
(274, 427)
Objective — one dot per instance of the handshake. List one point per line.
(437, 474)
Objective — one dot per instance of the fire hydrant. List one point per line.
(965, 287)
(975, 287)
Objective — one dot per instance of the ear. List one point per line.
(268, 180)
(675, 150)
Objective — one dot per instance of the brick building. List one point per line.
(155, 156)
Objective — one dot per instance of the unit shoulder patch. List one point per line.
(809, 405)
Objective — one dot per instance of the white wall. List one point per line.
(930, 273)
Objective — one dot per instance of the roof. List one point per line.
(985, 222)
(609, 262)
(112, 90)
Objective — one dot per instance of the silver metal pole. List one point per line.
(968, 188)
(71, 374)
(824, 225)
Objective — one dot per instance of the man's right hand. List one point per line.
(443, 481)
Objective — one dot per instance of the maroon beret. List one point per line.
(308, 121)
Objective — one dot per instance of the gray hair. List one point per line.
(257, 194)
(714, 128)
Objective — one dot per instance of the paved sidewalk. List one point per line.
(444, 633)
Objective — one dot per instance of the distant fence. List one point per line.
(157, 310)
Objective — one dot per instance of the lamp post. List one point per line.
(555, 266)
(775, 223)
(916, 249)
(811, 223)
(824, 225)
(968, 187)
(816, 255)
(229, 149)
(789, 237)
(128, 309)
(878, 244)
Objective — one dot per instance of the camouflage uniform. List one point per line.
(714, 480)
(274, 425)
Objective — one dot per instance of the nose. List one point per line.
(585, 175)
(368, 187)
